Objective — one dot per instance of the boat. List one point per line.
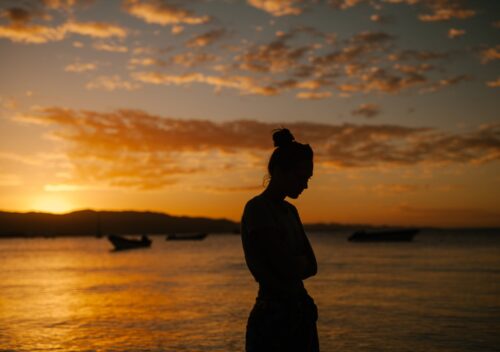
(186, 236)
(387, 235)
(122, 243)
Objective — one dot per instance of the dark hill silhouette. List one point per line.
(91, 223)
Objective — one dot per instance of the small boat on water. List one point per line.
(186, 236)
(122, 243)
(389, 235)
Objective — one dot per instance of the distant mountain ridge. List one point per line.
(93, 223)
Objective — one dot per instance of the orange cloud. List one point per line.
(494, 84)
(313, 95)
(345, 4)
(192, 59)
(38, 34)
(206, 38)
(145, 61)
(441, 12)
(367, 110)
(455, 33)
(445, 82)
(386, 189)
(110, 47)
(64, 4)
(277, 7)
(111, 83)
(382, 19)
(490, 54)
(33, 34)
(95, 29)
(78, 67)
(276, 56)
(379, 79)
(242, 83)
(131, 148)
(17, 14)
(158, 12)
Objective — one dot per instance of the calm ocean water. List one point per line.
(439, 293)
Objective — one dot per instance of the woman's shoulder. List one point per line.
(256, 202)
(291, 206)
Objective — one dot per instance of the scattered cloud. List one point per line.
(365, 62)
(313, 95)
(159, 12)
(490, 54)
(95, 29)
(176, 29)
(345, 4)
(78, 67)
(382, 19)
(65, 4)
(151, 150)
(385, 189)
(145, 62)
(445, 82)
(192, 59)
(276, 56)
(111, 83)
(17, 14)
(455, 33)
(110, 47)
(246, 85)
(31, 34)
(278, 7)
(8, 103)
(39, 34)
(367, 110)
(445, 10)
(494, 84)
(206, 38)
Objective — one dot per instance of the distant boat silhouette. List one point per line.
(389, 235)
(122, 243)
(186, 236)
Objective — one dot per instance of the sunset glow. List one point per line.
(51, 204)
(169, 106)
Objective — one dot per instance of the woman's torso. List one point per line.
(281, 219)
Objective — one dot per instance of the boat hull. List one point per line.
(405, 235)
(186, 236)
(122, 243)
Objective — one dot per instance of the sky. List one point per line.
(170, 106)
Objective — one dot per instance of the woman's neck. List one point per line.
(274, 193)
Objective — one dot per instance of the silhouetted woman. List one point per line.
(279, 255)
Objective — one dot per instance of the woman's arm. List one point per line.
(310, 265)
(279, 262)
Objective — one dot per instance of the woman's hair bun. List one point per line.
(282, 137)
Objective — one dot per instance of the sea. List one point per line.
(440, 292)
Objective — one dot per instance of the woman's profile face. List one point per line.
(296, 180)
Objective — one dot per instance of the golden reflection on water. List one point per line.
(75, 295)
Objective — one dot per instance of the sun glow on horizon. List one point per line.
(52, 203)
